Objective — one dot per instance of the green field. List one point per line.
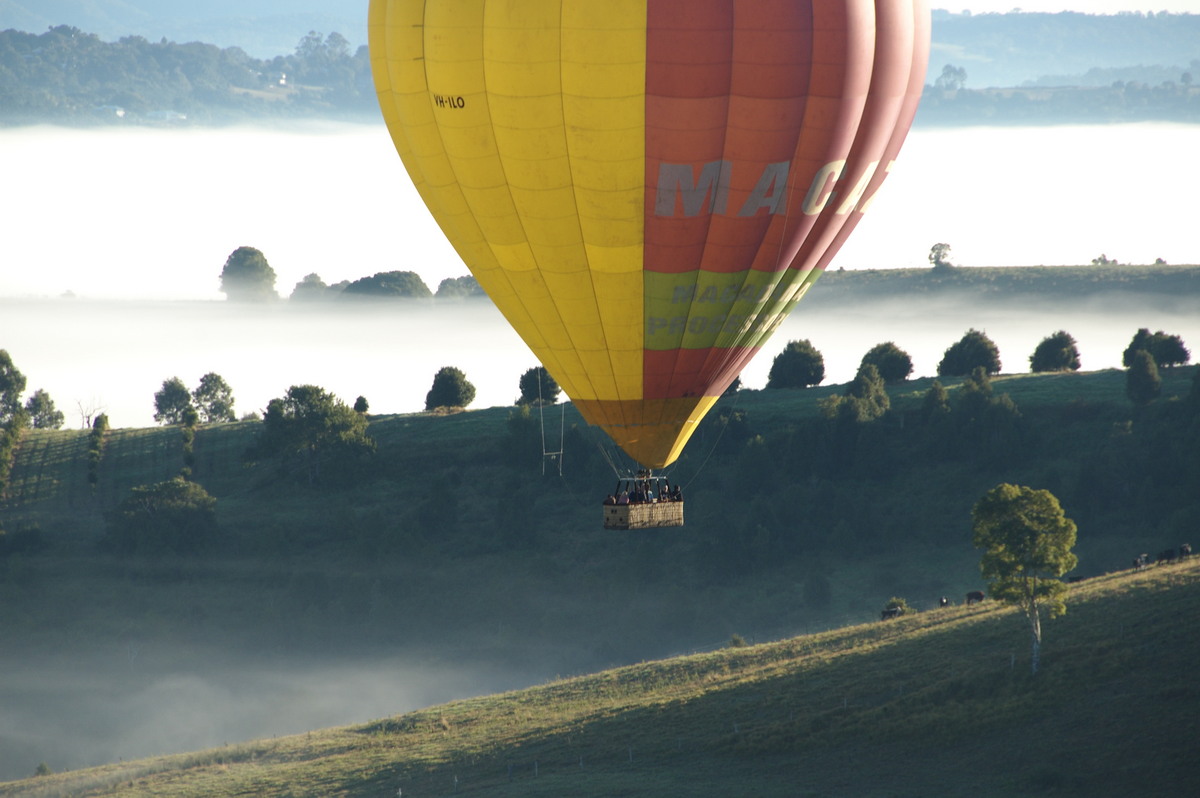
(938, 703)
(456, 547)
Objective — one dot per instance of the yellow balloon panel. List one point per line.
(549, 181)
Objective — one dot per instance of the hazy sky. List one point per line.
(1085, 6)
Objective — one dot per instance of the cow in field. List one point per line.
(891, 612)
(1141, 561)
(1185, 550)
(974, 597)
(1165, 556)
(943, 602)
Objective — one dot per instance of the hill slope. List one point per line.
(939, 703)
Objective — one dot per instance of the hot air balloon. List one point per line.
(645, 188)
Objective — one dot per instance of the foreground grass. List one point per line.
(938, 703)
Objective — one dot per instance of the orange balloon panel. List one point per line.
(645, 188)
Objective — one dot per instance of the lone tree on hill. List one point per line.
(973, 350)
(214, 399)
(450, 389)
(939, 256)
(12, 385)
(172, 402)
(799, 365)
(1026, 540)
(537, 386)
(1142, 383)
(247, 277)
(313, 431)
(42, 412)
(1056, 352)
(893, 363)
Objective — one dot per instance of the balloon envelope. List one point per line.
(645, 188)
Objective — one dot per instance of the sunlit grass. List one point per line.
(938, 703)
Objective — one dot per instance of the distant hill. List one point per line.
(1135, 66)
(939, 703)
(1057, 283)
(1004, 50)
(262, 28)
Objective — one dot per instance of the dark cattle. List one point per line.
(1185, 551)
(1140, 561)
(1166, 555)
(891, 612)
(943, 602)
(974, 597)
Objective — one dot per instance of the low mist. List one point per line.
(102, 708)
(113, 356)
(151, 213)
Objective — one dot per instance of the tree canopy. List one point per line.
(537, 386)
(1056, 352)
(1167, 350)
(893, 363)
(312, 287)
(1026, 540)
(42, 412)
(389, 284)
(172, 402)
(865, 398)
(799, 365)
(459, 287)
(450, 389)
(214, 399)
(939, 255)
(247, 277)
(315, 433)
(12, 385)
(1142, 382)
(174, 516)
(974, 349)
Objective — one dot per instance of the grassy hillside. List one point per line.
(995, 283)
(940, 703)
(455, 549)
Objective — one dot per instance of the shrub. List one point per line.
(799, 365)
(173, 516)
(1056, 352)
(973, 350)
(537, 386)
(1142, 383)
(1167, 350)
(893, 363)
(450, 389)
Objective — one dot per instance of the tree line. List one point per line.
(66, 75)
(248, 277)
(1133, 101)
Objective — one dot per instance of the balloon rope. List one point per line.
(713, 448)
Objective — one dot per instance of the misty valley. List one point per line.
(456, 564)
